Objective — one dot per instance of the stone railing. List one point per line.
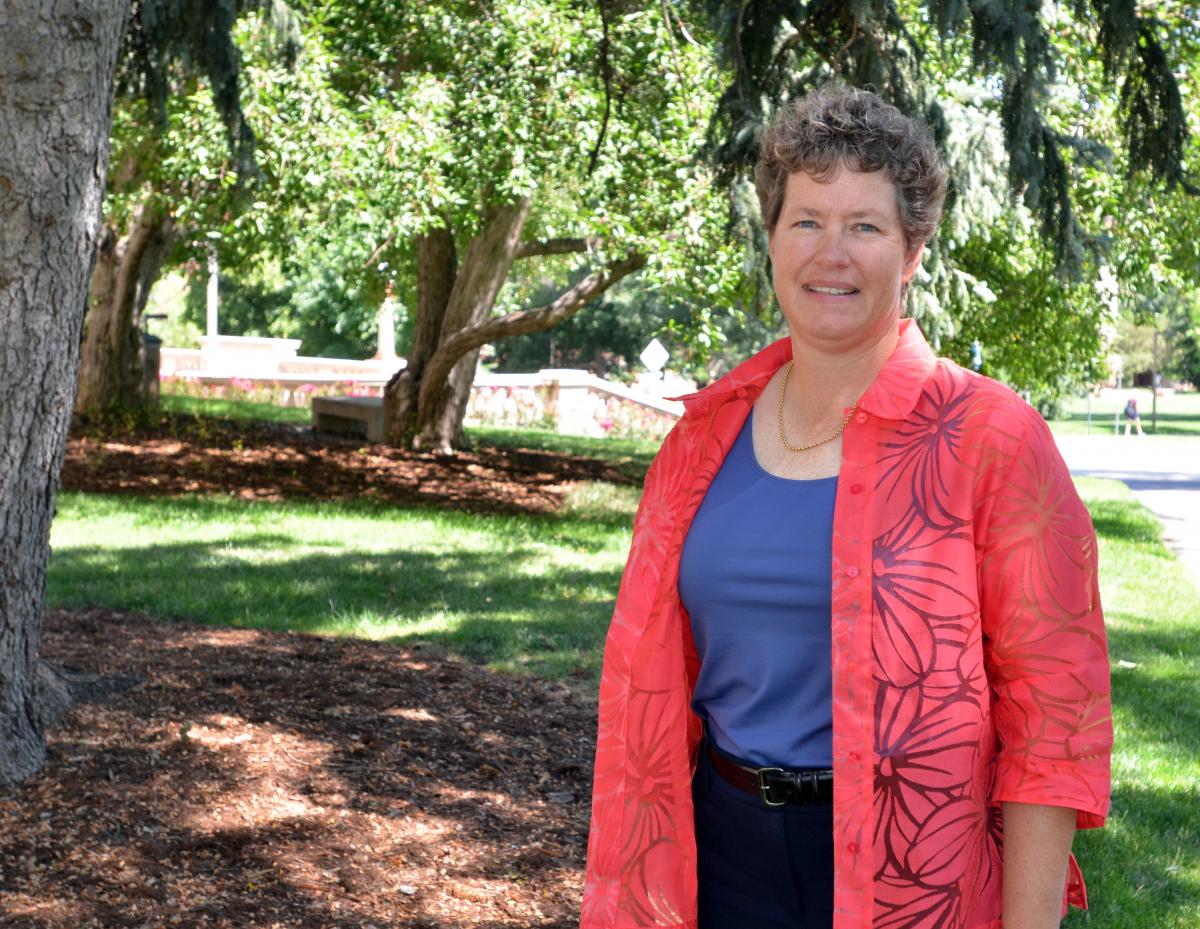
(266, 363)
(569, 401)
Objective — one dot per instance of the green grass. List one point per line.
(1178, 414)
(632, 456)
(532, 593)
(1143, 869)
(245, 410)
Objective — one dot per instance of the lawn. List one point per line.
(234, 408)
(630, 454)
(1178, 414)
(517, 592)
(1143, 870)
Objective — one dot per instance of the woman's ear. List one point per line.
(912, 261)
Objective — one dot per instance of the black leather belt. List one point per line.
(776, 786)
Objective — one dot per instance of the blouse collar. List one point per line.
(892, 395)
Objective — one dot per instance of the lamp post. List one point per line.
(1154, 382)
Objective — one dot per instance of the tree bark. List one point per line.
(112, 361)
(423, 413)
(437, 266)
(537, 319)
(56, 86)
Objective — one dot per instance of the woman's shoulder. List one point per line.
(987, 403)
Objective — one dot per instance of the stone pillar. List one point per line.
(387, 327)
(211, 344)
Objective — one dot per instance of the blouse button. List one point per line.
(852, 571)
(852, 848)
(861, 417)
(856, 488)
(855, 756)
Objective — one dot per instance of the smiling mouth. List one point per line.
(834, 291)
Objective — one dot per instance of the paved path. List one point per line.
(1162, 471)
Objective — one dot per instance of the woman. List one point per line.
(1132, 416)
(858, 572)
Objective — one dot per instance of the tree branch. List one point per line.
(555, 247)
(605, 65)
(379, 250)
(532, 320)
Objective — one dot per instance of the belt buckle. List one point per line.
(763, 788)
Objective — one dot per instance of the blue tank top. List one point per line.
(755, 577)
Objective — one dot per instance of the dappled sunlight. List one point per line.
(257, 780)
(181, 454)
(44, 907)
(520, 593)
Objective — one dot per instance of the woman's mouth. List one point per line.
(832, 291)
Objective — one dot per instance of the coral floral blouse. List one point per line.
(969, 656)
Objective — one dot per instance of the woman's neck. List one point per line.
(823, 380)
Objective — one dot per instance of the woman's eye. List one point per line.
(866, 227)
(806, 224)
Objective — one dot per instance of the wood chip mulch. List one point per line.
(181, 454)
(264, 780)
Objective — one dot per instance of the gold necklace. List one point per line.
(783, 435)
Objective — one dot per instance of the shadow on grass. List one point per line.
(324, 783)
(1125, 520)
(630, 455)
(1162, 694)
(515, 607)
(1137, 868)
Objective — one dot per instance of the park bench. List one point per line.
(359, 416)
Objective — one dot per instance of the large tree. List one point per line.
(1016, 48)
(183, 160)
(501, 146)
(1064, 129)
(56, 79)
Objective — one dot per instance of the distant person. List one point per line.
(1132, 417)
(857, 663)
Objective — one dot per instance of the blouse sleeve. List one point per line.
(1044, 640)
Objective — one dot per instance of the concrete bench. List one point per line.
(361, 416)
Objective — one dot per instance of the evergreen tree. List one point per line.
(778, 48)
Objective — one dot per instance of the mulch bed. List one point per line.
(258, 779)
(181, 454)
(262, 780)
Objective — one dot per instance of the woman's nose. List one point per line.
(831, 249)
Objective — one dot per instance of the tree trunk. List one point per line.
(424, 405)
(427, 413)
(437, 266)
(56, 85)
(111, 366)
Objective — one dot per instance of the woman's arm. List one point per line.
(1037, 843)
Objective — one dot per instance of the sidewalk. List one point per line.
(1162, 471)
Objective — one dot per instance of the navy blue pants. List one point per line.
(760, 867)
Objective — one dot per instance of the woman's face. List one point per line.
(840, 259)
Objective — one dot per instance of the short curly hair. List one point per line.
(837, 126)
